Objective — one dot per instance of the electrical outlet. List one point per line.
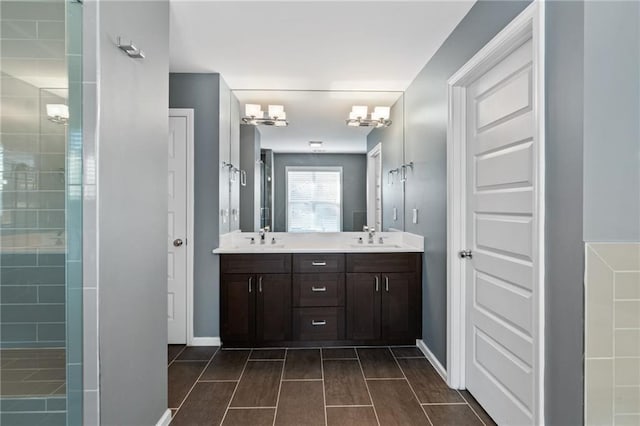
(415, 215)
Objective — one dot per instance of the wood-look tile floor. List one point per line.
(320, 386)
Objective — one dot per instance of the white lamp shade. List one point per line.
(57, 110)
(253, 110)
(353, 116)
(276, 111)
(381, 113)
(359, 111)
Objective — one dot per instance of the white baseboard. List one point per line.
(432, 359)
(205, 341)
(165, 419)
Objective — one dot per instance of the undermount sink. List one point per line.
(374, 246)
(265, 246)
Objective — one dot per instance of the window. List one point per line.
(314, 199)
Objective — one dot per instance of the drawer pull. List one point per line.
(318, 289)
(317, 263)
(318, 323)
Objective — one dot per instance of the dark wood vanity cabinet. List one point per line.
(276, 299)
(384, 296)
(255, 306)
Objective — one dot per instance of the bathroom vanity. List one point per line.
(297, 290)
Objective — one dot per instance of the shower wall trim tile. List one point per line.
(90, 93)
(612, 333)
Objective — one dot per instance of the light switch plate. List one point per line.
(415, 215)
(395, 213)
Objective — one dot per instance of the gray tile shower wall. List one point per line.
(32, 261)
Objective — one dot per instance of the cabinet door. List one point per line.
(237, 308)
(363, 306)
(400, 301)
(273, 313)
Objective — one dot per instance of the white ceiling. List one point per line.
(323, 45)
(377, 46)
(316, 116)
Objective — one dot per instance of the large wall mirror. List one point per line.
(311, 171)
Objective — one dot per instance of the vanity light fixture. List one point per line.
(276, 116)
(58, 113)
(379, 117)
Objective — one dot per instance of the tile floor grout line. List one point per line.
(410, 387)
(252, 408)
(284, 364)
(216, 381)
(324, 391)
(349, 406)
(302, 380)
(443, 403)
(472, 409)
(196, 381)
(236, 387)
(177, 355)
(375, 412)
(385, 378)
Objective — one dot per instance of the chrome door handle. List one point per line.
(315, 263)
(386, 283)
(465, 254)
(377, 283)
(318, 289)
(318, 323)
(250, 279)
(260, 284)
(177, 242)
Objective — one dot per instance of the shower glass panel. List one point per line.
(40, 212)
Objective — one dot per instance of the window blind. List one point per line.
(314, 199)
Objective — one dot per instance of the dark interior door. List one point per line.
(363, 306)
(237, 314)
(273, 307)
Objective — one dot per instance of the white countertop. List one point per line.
(320, 242)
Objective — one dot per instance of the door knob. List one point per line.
(177, 242)
(465, 254)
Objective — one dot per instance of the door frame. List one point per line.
(371, 170)
(528, 25)
(189, 114)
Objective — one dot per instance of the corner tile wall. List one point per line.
(32, 152)
(612, 334)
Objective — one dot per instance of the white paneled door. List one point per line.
(501, 234)
(177, 231)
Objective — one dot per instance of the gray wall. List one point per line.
(354, 181)
(250, 194)
(564, 184)
(425, 144)
(132, 226)
(202, 93)
(612, 121)
(392, 139)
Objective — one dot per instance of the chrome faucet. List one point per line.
(263, 232)
(372, 233)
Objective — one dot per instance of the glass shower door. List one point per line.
(40, 213)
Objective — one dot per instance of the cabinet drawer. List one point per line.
(255, 263)
(318, 323)
(318, 290)
(384, 262)
(318, 263)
